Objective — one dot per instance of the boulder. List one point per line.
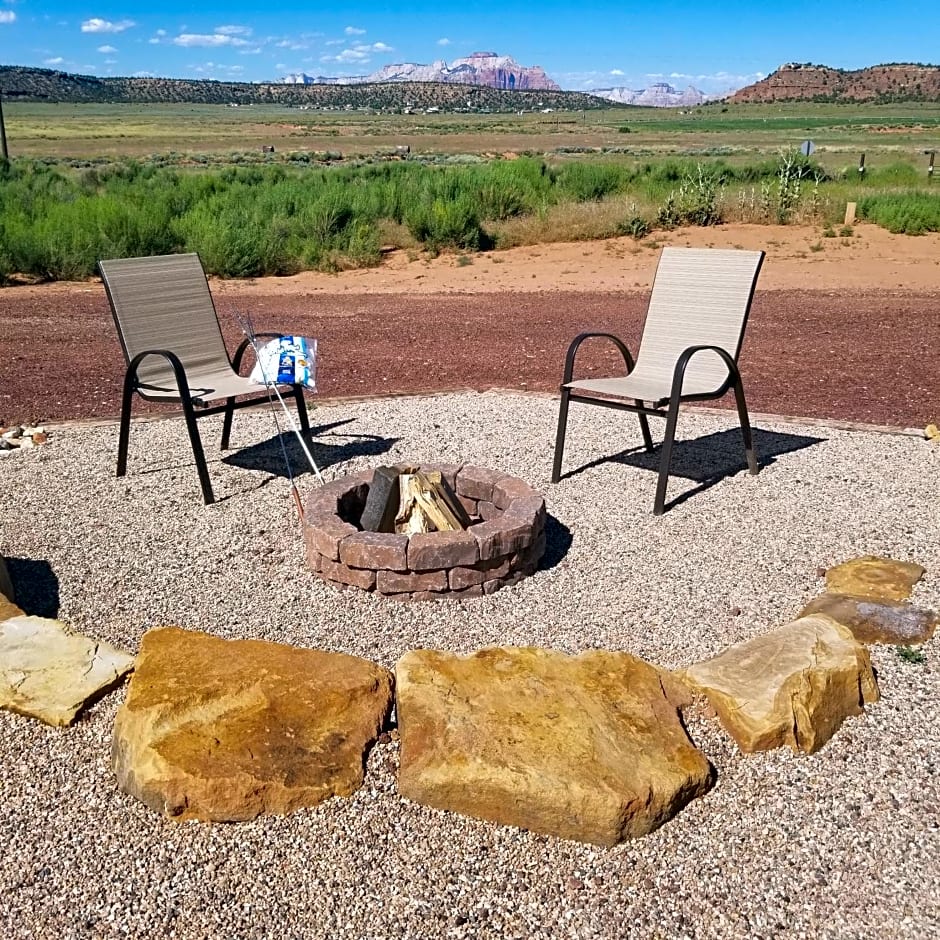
(875, 621)
(586, 747)
(793, 686)
(225, 730)
(48, 672)
(881, 579)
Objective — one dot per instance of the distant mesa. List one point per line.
(795, 81)
(480, 68)
(659, 95)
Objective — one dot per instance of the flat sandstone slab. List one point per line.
(881, 579)
(584, 747)
(225, 730)
(48, 672)
(873, 621)
(793, 686)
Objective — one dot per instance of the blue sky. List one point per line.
(714, 46)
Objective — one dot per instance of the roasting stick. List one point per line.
(274, 391)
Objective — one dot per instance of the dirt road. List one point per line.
(849, 331)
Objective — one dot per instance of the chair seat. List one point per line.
(207, 387)
(652, 391)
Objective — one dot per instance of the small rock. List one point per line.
(40, 437)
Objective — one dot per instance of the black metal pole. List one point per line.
(3, 133)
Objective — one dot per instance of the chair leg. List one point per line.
(198, 452)
(302, 410)
(644, 427)
(560, 437)
(227, 421)
(752, 465)
(125, 428)
(669, 437)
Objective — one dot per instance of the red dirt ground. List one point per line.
(851, 352)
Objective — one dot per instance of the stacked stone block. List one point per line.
(503, 545)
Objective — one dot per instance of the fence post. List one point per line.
(3, 134)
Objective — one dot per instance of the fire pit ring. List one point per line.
(503, 544)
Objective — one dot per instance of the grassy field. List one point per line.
(92, 181)
(737, 132)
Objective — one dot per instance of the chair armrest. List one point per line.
(576, 344)
(685, 357)
(179, 373)
(245, 343)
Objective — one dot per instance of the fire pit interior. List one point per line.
(494, 531)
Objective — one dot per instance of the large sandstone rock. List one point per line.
(880, 579)
(48, 672)
(220, 729)
(793, 686)
(875, 621)
(584, 747)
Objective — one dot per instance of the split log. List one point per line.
(426, 505)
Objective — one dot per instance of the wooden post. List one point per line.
(932, 154)
(849, 213)
(3, 133)
(861, 164)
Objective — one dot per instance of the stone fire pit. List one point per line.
(503, 544)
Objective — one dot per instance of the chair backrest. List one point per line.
(701, 297)
(164, 302)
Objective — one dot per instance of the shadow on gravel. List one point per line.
(557, 542)
(327, 449)
(35, 586)
(709, 459)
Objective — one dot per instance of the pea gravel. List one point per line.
(844, 843)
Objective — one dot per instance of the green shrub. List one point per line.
(910, 213)
(447, 224)
(697, 201)
(636, 226)
(585, 182)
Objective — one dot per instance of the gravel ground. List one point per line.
(840, 844)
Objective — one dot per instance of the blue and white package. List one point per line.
(287, 360)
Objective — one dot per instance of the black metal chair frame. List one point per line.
(190, 403)
(670, 412)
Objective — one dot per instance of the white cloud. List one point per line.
(354, 31)
(107, 50)
(352, 55)
(7, 16)
(211, 40)
(334, 42)
(443, 41)
(381, 47)
(56, 60)
(233, 30)
(616, 72)
(98, 25)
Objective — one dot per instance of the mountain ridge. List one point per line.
(804, 81)
(479, 68)
(23, 83)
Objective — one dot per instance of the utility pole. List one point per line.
(3, 134)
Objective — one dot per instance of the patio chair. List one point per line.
(689, 350)
(173, 346)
